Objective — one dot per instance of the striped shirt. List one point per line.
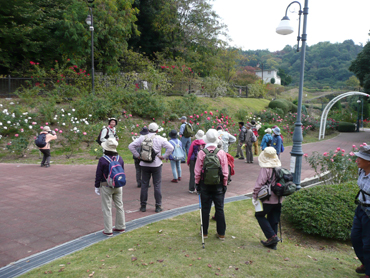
(363, 183)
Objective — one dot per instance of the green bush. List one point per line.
(346, 127)
(187, 105)
(279, 104)
(324, 210)
(145, 104)
(240, 114)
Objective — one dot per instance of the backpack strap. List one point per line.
(107, 158)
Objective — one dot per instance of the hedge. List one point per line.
(324, 210)
(346, 127)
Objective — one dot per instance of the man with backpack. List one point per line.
(248, 138)
(151, 163)
(267, 139)
(186, 132)
(255, 129)
(111, 189)
(239, 151)
(176, 156)
(226, 138)
(43, 142)
(108, 131)
(211, 175)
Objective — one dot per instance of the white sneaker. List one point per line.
(191, 191)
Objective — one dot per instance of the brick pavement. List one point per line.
(45, 207)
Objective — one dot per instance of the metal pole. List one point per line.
(9, 85)
(297, 152)
(92, 51)
(362, 113)
(262, 73)
(358, 117)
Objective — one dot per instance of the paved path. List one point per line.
(43, 207)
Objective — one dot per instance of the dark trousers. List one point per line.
(269, 225)
(192, 175)
(138, 172)
(248, 152)
(218, 199)
(360, 237)
(239, 150)
(156, 173)
(46, 158)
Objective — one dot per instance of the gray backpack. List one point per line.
(147, 153)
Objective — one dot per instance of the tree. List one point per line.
(353, 82)
(272, 81)
(285, 79)
(361, 67)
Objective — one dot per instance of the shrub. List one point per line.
(325, 210)
(145, 104)
(187, 105)
(346, 127)
(240, 114)
(279, 104)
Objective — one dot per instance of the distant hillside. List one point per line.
(326, 63)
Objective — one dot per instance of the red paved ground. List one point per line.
(44, 207)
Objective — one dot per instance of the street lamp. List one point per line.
(358, 115)
(90, 21)
(285, 28)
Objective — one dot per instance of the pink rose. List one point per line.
(60, 131)
(197, 123)
(135, 133)
(353, 146)
(132, 133)
(84, 133)
(338, 149)
(46, 123)
(22, 130)
(56, 129)
(16, 135)
(305, 155)
(332, 160)
(208, 118)
(205, 112)
(41, 127)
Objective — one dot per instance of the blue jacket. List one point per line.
(276, 143)
(266, 138)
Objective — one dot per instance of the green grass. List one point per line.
(172, 248)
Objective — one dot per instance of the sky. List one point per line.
(252, 23)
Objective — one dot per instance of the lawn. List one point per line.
(172, 248)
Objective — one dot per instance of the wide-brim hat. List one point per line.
(268, 130)
(153, 127)
(110, 145)
(199, 134)
(112, 119)
(364, 152)
(276, 131)
(183, 118)
(268, 158)
(211, 137)
(144, 131)
(172, 134)
(46, 128)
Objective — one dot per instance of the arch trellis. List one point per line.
(327, 108)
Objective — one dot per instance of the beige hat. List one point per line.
(110, 145)
(199, 134)
(46, 128)
(211, 138)
(153, 127)
(268, 158)
(268, 130)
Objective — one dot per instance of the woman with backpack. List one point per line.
(267, 139)
(277, 142)
(109, 131)
(109, 194)
(176, 156)
(197, 145)
(49, 136)
(269, 217)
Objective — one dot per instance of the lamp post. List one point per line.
(358, 116)
(285, 28)
(90, 22)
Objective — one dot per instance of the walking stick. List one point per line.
(201, 221)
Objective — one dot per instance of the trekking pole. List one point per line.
(281, 237)
(201, 221)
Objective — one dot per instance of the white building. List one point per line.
(266, 75)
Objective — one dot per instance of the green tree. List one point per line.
(285, 79)
(353, 82)
(272, 81)
(361, 67)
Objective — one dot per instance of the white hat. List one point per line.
(268, 130)
(211, 138)
(110, 145)
(268, 158)
(46, 128)
(199, 134)
(153, 127)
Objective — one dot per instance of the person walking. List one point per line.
(107, 193)
(248, 144)
(212, 187)
(50, 135)
(360, 232)
(185, 138)
(196, 146)
(226, 138)
(267, 139)
(175, 164)
(144, 131)
(277, 141)
(239, 151)
(109, 131)
(255, 129)
(152, 169)
(269, 217)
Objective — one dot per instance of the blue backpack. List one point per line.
(116, 177)
(41, 140)
(178, 153)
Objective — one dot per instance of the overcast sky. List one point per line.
(252, 23)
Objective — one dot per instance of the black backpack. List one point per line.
(41, 140)
(284, 185)
(106, 136)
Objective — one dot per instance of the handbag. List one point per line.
(265, 192)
